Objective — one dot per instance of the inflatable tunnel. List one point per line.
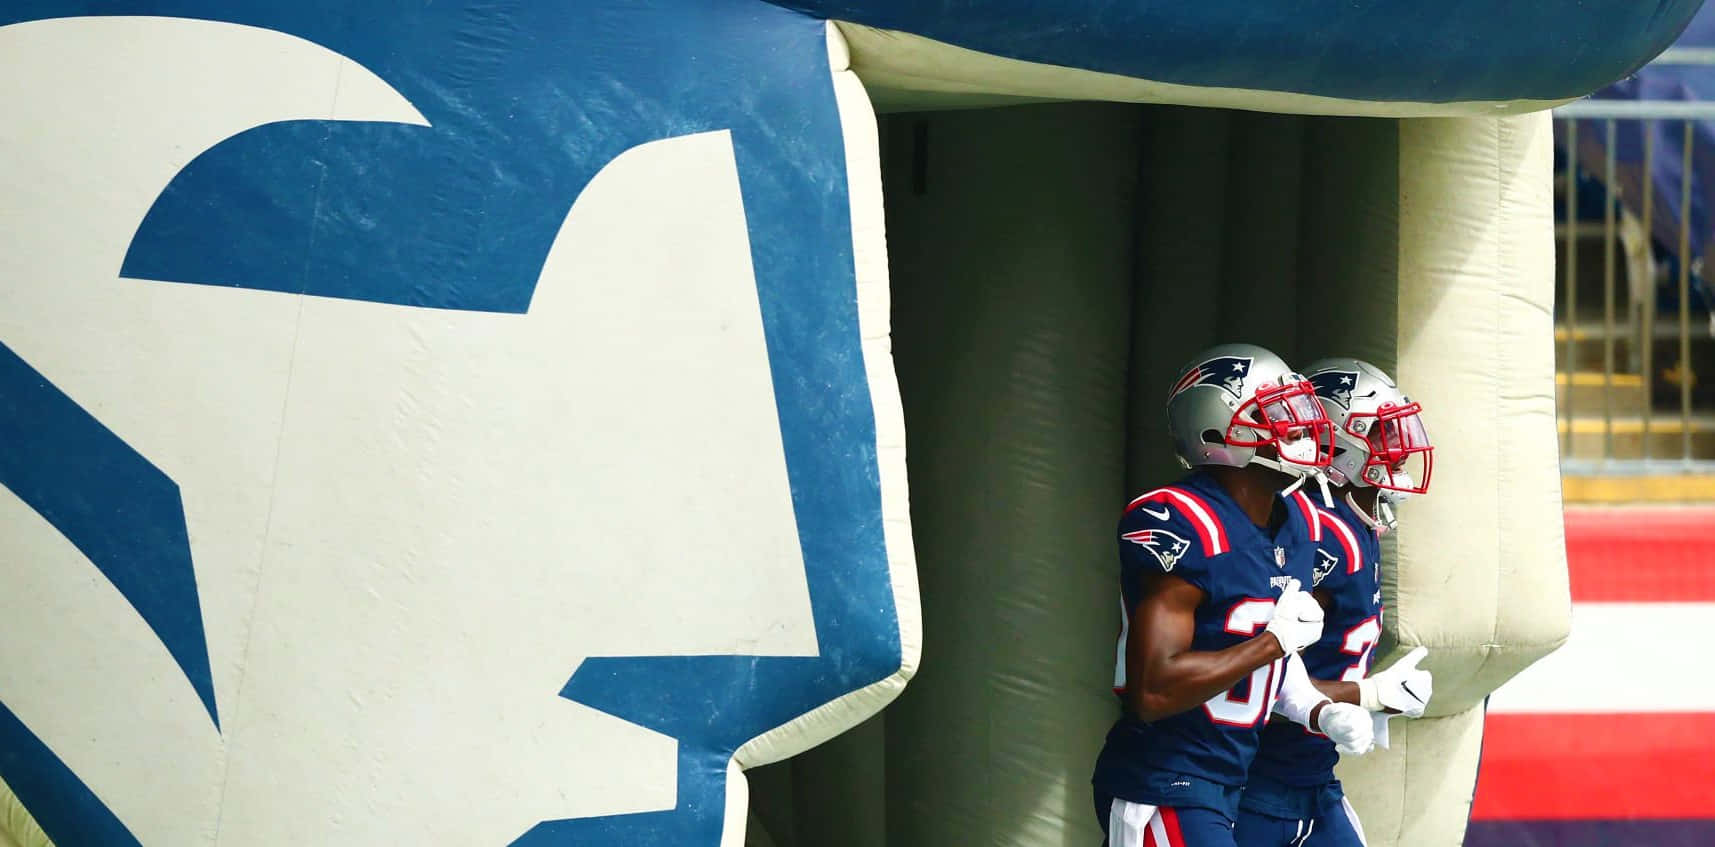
(572, 423)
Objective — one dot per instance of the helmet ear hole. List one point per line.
(1213, 436)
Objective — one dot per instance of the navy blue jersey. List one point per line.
(1194, 531)
(1348, 581)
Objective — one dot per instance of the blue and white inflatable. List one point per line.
(474, 422)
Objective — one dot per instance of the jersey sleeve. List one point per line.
(1162, 537)
(1340, 554)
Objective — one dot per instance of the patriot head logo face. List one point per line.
(1167, 547)
(326, 477)
(1325, 563)
(1227, 373)
(1337, 386)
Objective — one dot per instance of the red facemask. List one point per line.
(1401, 457)
(1288, 417)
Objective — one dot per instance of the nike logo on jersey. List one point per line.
(1160, 516)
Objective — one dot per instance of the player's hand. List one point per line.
(1380, 731)
(1350, 727)
(1297, 621)
(1404, 688)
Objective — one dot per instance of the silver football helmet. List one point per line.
(1379, 437)
(1239, 404)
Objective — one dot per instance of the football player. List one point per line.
(1381, 453)
(1212, 574)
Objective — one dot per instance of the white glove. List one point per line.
(1297, 621)
(1298, 696)
(1380, 733)
(1348, 726)
(1404, 688)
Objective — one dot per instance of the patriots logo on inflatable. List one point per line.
(1167, 547)
(1336, 386)
(1225, 372)
(343, 485)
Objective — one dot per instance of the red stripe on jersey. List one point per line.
(1348, 540)
(1196, 512)
(1623, 555)
(1170, 819)
(1165, 496)
(1590, 766)
(1214, 518)
(1312, 521)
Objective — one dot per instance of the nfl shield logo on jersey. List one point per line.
(1165, 546)
(1280, 557)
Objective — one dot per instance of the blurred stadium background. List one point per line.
(1611, 740)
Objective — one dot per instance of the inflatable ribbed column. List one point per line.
(1182, 186)
(1475, 346)
(1011, 253)
(840, 790)
(1265, 183)
(1348, 263)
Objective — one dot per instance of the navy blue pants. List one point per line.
(1135, 825)
(1276, 816)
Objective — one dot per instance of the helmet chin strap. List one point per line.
(1302, 474)
(1387, 520)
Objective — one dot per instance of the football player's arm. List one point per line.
(1164, 676)
(1349, 726)
(1339, 692)
(1403, 688)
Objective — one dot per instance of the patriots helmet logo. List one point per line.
(1224, 372)
(1336, 386)
(1167, 547)
(1325, 563)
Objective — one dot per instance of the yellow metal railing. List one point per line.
(1636, 414)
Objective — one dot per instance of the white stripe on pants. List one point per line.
(1128, 823)
(1352, 815)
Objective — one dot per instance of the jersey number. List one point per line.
(1228, 707)
(1360, 640)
